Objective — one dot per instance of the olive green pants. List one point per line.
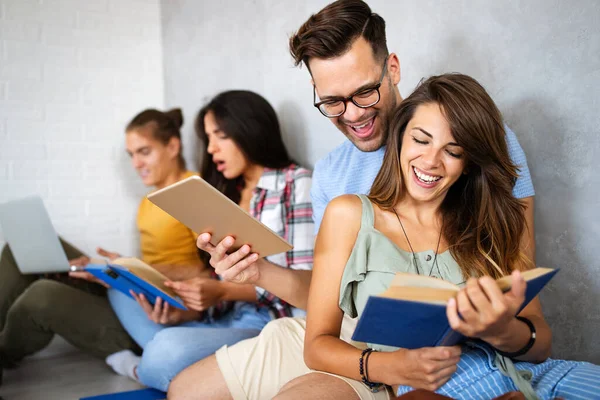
(33, 308)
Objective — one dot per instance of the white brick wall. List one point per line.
(72, 73)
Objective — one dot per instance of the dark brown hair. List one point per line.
(250, 121)
(482, 220)
(162, 126)
(332, 31)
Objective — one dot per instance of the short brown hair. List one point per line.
(482, 220)
(331, 32)
(162, 126)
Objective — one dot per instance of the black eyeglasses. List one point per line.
(363, 98)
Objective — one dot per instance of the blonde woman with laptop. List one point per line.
(35, 307)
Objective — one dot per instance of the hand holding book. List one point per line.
(239, 267)
(425, 368)
(481, 310)
(199, 293)
(131, 274)
(162, 313)
(411, 313)
(78, 266)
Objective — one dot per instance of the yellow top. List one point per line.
(163, 239)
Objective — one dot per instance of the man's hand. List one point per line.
(199, 293)
(237, 267)
(162, 313)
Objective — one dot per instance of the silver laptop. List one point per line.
(27, 229)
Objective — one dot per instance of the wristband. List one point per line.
(529, 344)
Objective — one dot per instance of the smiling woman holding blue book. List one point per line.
(441, 206)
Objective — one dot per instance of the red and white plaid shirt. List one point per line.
(281, 201)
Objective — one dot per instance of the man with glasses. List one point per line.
(355, 82)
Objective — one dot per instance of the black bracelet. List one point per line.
(529, 344)
(362, 364)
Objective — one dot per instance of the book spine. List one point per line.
(450, 338)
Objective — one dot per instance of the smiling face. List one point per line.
(347, 74)
(430, 158)
(153, 160)
(226, 154)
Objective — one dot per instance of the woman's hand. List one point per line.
(81, 262)
(162, 313)
(108, 254)
(426, 368)
(237, 267)
(86, 276)
(486, 312)
(199, 293)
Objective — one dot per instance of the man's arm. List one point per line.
(290, 285)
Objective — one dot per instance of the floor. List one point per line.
(61, 372)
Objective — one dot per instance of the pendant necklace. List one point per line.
(434, 264)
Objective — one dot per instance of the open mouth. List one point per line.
(220, 165)
(364, 129)
(424, 178)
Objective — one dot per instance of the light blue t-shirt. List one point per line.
(347, 170)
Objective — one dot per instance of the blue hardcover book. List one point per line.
(411, 314)
(126, 274)
(143, 394)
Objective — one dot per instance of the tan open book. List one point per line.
(433, 290)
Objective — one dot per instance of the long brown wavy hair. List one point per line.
(482, 221)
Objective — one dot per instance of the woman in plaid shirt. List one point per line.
(245, 159)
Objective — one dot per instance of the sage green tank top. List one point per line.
(372, 265)
(375, 260)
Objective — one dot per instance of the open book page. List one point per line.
(505, 282)
(145, 272)
(414, 280)
(421, 294)
(427, 289)
(415, 287)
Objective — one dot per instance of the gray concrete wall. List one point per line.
(540, 60)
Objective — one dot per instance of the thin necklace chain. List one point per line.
(434, 264)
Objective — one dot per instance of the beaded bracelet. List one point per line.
(362, 364)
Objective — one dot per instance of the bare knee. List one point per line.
(180, 388)
(316, 386)
(202, 380)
